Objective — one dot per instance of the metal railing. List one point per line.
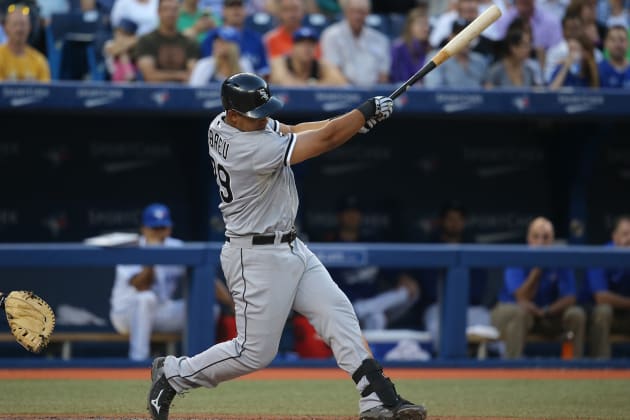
(202, 259)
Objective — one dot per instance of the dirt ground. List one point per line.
(221, 417)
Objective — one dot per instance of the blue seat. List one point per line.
(316, 21)
(378, 21)
(70, 41)
(260, 22)
(396, 24)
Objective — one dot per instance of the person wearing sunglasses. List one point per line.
(18, 60)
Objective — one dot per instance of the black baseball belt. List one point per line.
(270, 238)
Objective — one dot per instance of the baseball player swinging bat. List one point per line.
(454, 46)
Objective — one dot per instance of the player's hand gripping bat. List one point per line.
(454, 46)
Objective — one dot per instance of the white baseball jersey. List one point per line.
(256, 184)
(167, 278)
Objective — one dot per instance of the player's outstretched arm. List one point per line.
(336, 132)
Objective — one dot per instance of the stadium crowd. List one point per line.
(536, 43)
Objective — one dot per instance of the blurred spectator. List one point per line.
(279, 41)
(251, 43)
(546, 29)
(3, 36)
(465, 11)
(376, 301)
(18, 60)
(143, 12)
(193, 21)
(143, 297)
(225, 61)
(619, 14)
(329, 8)
(117, 51)
(360, 52)
(409, 52)
(512, 69)
(452, 229)
(579, 69)
(609, 290)
(301, 66)
(587, 10)
(466, 69)
(165, 55)
(556, 8)
(615, 71)
(571, 28)
(36, 36)
(540, 300)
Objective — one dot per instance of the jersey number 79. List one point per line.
(223, 181)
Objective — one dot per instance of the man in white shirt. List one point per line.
(360, 52)
(142, 299)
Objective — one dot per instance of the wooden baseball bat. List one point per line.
(454, 46)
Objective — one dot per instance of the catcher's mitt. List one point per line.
(31, 319)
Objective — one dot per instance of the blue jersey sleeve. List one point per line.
(566, 283)
(596, 280)
(514, 277)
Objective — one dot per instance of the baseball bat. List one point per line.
(455, 45)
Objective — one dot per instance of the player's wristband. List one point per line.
(368, 109)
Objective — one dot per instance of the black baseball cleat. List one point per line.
(161, 394)
(410, 411)
(404, 411)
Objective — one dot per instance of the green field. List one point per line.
(527, 399)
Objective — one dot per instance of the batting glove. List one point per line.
(369, 124)
(384, 108)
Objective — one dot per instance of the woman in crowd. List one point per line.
(409, 52)
(512, 70)
(579, 69)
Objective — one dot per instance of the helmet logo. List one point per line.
(263, 94)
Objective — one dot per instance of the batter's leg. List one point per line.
(262, 281)
(328, 309)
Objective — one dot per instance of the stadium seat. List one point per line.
(260, 22)
(396, 25)
(379, 22)
(316, 21)
(69, 37)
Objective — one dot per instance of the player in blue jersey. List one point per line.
(609, 290)
(538, 299)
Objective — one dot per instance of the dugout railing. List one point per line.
(202, 258)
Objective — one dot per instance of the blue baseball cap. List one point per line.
(227, 33)
(305, 33)
(156, 215)
(127, 25)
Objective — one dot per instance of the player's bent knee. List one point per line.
(146, 298)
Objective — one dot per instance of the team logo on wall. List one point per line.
(458, 102)
(56, 223)
(335, 101)
(521, 102)
(18, 97)
(209, 98)
(575, 104)
(160, 97)
(97, 97)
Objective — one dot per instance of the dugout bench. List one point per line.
(66, 339)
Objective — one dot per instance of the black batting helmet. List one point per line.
(249, 95)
